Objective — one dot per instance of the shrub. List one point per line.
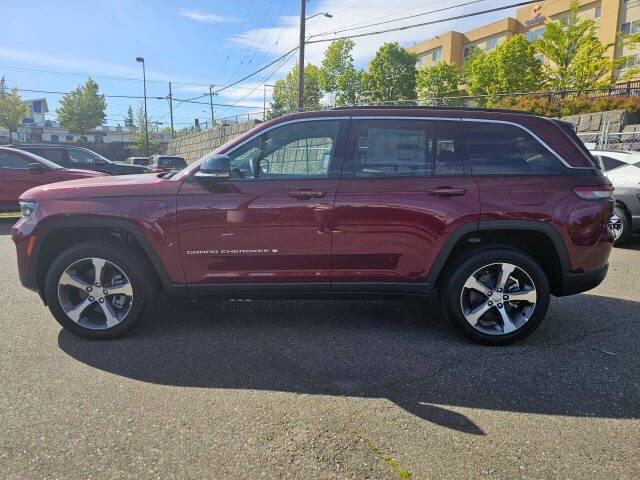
(544, 106)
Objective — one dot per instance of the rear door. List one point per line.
(270, 221)
(406, 187)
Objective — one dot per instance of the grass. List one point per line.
(9, 214)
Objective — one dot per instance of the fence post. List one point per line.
(628, 88)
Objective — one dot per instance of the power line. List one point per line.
(397, 19)
(407, 27)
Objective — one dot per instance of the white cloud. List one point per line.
(280, 38)
(200, 16)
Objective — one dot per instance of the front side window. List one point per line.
(10, 161)
(408, 148)
(503, 149)
(80, 156)
(296, 150)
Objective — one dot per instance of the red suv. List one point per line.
(493, 210)
(20, 171)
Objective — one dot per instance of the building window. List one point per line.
(436, 55)
(465, 53)
(537, 34)
(597, 11)
(631, 27)
(54, 138)
(492, 43)
(631, 62)
(37, 106)
(529, 36)
(69, 138)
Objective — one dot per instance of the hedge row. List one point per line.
(555, 107)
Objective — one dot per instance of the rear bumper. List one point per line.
(581, 282)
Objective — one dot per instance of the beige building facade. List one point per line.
(611, 16)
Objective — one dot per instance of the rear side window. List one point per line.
(503, 149)
(55, 155)
(408, 148)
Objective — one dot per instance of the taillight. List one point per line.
(593, 193)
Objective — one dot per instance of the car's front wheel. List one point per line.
(496, 296)
(96, 289)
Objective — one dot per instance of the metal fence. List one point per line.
(611, 141)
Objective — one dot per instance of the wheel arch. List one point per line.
(536, 238)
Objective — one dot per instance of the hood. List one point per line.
(72, 173)
(103, 186)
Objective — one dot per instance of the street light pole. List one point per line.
(301, 59)
(146, 123)
(211, 104)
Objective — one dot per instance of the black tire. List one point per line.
(464, 266)
(625, 226)
(136, 270)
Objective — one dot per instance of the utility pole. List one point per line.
(211, 103)
(173, 133)
(301, 59)
(146, 122)
(264, 104)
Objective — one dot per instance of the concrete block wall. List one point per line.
(196, 145)
(617, 120)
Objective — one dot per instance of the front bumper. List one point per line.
(573, 283)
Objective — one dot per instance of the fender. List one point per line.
(83, 222)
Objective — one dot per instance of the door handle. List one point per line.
(306, 194)
(447, 191)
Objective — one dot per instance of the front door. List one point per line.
(270, 222)
(406, 187)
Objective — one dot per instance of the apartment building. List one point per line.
(611, 16)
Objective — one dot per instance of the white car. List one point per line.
(623, 169)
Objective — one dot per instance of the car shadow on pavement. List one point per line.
(582, 361)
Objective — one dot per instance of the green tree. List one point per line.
(82, 109)
(392, 74)
(337, 59)
(129, 120)
(3, 86)
(138, 146)
(574, 57)
(351, 87)
(12, 111)
(437, 81)
(285, 92)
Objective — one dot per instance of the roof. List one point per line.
(432, 108)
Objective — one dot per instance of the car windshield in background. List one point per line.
(42, 160)
(174, 162)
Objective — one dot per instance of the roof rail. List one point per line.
(430, 107)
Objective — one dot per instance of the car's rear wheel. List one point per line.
(620, 225)
(98, 290)
(496, 296)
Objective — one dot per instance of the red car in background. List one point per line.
(20, 171)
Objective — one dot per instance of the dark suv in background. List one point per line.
(493, 210)
(166, 163)
(80, 158)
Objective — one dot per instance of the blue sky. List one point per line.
(192, 43)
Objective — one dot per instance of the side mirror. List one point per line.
(216, 166)
(36, 168)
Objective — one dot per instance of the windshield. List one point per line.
(43, 161)
(96, 154)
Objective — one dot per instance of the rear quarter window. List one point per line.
(504, 149)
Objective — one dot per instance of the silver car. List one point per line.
(623, 169)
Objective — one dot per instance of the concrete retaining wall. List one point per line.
(617, 120)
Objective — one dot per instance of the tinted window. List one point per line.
(11, 161)
(611, 163)
(55, 155)
(40, 158)
(502, 149)
(176, 162)
(408, 148)
(297, 150)
(80, 156)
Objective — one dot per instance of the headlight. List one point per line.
(27, 207)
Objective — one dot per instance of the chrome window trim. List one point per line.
(562, 160)
(281, 124)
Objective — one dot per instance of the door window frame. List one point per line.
(334, 171)
(353, 139)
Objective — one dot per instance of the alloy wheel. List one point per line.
(95, 293)
(616, 225)
(498, 299)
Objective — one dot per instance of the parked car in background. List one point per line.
(79, 157)
(623, 169)
(495, 211)
(142, 161)
(166, 163)
(20, 171)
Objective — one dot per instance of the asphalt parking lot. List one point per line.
(322, 389)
